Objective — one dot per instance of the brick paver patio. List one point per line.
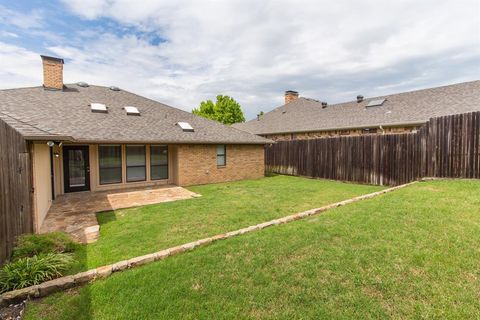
(75, 213)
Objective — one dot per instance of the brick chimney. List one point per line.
(52, 73)
(290, 95)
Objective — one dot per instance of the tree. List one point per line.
(225, 110)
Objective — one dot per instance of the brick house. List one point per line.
(60, 138)
(303, 118)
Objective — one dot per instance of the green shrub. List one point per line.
(29, 271)
(29, 245)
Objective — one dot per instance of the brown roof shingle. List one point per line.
(303, 115)
(43, 114)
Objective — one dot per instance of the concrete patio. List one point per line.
(75, 213)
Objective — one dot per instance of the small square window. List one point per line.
(221, 155)
(132, 110)
(375, 103)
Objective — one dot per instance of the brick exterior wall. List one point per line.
(197, 164)
(52, 74)
(336, 133)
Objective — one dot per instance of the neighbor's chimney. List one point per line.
(52, 73)
(290, 95)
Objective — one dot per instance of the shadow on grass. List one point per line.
(269, 174)
(83, 304)
(80, 298)
(106, 217)
(81, 251)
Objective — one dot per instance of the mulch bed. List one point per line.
(13, 311)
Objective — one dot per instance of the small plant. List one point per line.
(29, 245)
(30, 271)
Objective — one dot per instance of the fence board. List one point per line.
(15, 189)
(444, 147)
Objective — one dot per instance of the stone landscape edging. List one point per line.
(66, 282)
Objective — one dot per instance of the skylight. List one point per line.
(98, 107)
(132, 110)
(375, 103)
(186, 127)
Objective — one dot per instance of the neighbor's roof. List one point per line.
(42, 114)
(415, 107)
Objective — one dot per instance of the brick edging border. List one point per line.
(66, 282)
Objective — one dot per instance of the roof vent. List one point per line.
(132, 111)
(376, 103)
(98, 107)
(82, 84)
(113, 88)
(324, 105)
(186, 127)
(359, 98)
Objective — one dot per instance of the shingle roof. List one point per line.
(42, 114)
(415, 107)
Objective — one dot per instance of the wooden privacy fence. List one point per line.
(443, 147)
(15, 189)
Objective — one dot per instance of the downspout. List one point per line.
(52, 178)
(383, 130)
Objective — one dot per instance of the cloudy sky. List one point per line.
(182, 52)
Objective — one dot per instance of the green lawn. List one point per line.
(413, 253)
(222, 207)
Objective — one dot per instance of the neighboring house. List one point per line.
(59, 138)
(303, 118)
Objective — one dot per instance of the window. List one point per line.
(158, 162)
(136, 167)
(110, 163)
(221, 155)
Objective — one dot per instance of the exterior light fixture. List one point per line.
(50, 143)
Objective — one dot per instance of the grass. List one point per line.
(222, 207)
(412, 253)
(29, 245)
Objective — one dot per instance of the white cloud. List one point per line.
(33, 19)
(18, 66)
(253, 50)
(6, 34)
